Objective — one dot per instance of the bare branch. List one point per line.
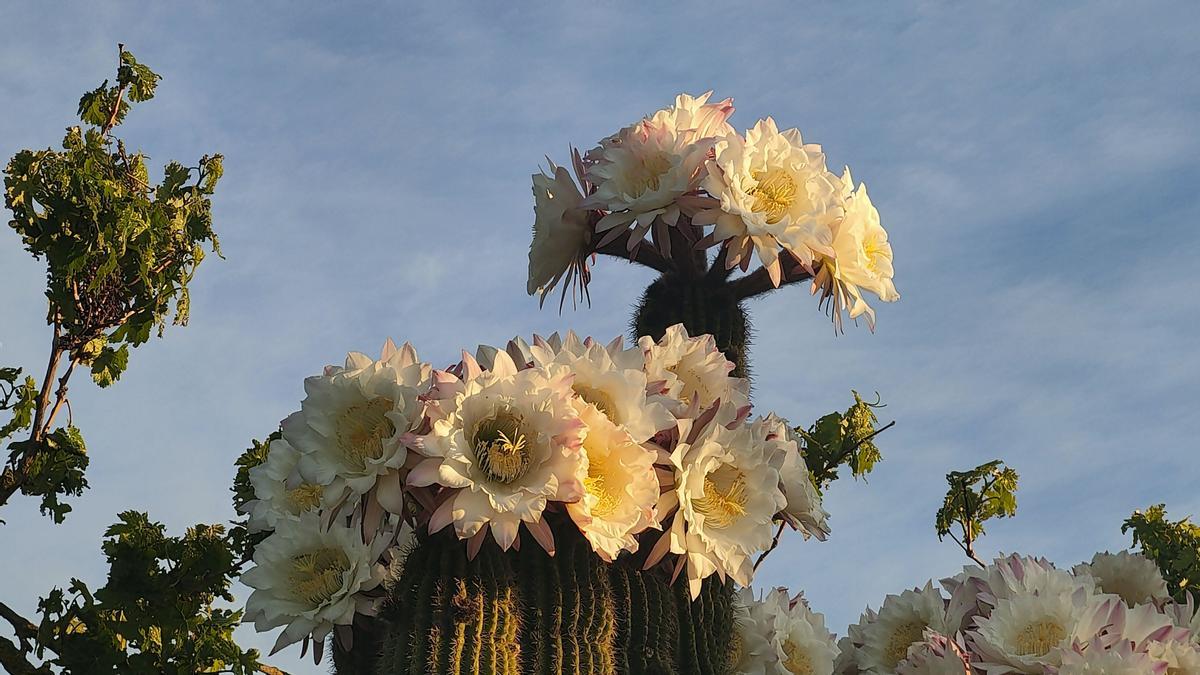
(774, 543)
(60, 396)
(24, 629)
(14, 661)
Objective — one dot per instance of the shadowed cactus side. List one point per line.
(525, 612)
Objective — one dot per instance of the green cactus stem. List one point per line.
(706, 304)
(527, 613)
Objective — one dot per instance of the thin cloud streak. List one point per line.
(1035, 169)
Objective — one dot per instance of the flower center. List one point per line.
(873, 250)
(774, 194)
(316, 576)
(693, 383)
(601, 483)
(362, 430)
(646, 175)
(902, 638)
(724, 499)
(797, 661)
(597, 397)
(304, 498)
(1039, 637)
(500, 448)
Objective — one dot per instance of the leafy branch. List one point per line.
(1173, 545)
(120, 252)
(839, 439)
(968, 508)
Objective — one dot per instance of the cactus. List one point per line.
(526, 612)
(705, 304)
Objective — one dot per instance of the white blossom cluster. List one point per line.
(650, 445)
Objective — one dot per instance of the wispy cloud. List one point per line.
(1036, 170)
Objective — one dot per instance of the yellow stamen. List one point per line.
(774, 194)
(599, 398)
(316, 576)
(500, 448)
(901, 639)
(873, 251)
(1039, 637)
(362, 429)
(647, 175)
(602, 485)
(798, 661)
(304, 498)
(723, 501)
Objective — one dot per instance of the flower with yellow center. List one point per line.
(611, 378)
(281, 489)
(901, 621)
(861, 259)
(770, 191)
(976, 590)
(561, 235)
(756, 644)
(1027, 633)
(350, 427)
(727, 494)
(505, 442)
(621, 487)
(781, 635)
(309, 577)
(690, 372)
(806, 647)
(641, 171)
(1132, 576)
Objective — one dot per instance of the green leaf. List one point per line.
(56, 469)
(157, 611)
(25, 395)
(1173, 545)
(96, 105)
(975, 496)
(842, 439)
(109, 364)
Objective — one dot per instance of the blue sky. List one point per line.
(1035, 165)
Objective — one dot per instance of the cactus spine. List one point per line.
(527, 613)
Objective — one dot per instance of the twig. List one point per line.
(14, 661)
(15, 476)
(774, 543)
(60, 396)
(43, 403)
(847, 452)
(22, 627)
(270, 670)
(112, 118)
